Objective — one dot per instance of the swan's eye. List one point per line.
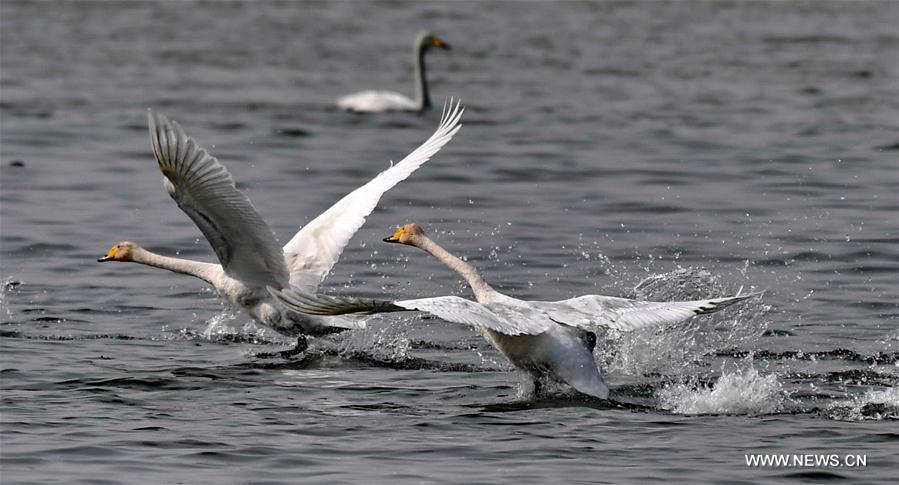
(436, 41)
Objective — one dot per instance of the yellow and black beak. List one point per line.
(109, 255)
(440, 44)
(395, 238)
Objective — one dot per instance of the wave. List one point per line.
(835, 354)
(743, 391)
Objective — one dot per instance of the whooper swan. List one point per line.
(541, 338)
(375, 101)
(250, 256)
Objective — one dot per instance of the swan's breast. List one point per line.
(557, 348)
(524, 351)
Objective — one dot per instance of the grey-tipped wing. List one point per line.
(509, 321)
(314, 250)
(205, 191)
(300, 301)
(625, 314)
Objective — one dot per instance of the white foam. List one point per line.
(738, 392)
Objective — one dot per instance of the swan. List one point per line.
(376, 101)
(541, 338)
(249, 255)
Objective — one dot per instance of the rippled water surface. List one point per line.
(653, 150)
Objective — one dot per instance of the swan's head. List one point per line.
(427, 40)
(122, 251)
(407, 234)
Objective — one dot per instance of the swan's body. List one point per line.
(551, 338)
(250, 257)
(377, 101)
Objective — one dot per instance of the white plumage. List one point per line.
(249, 255)
(539, 337)
(373, 101)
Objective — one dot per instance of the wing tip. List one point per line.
(717, 304)
(450, 116)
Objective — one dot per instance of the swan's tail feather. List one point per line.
(297, 300)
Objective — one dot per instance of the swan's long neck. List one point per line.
(480, 287)
(207, 272)
(422, 97)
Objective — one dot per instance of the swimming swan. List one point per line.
(375, 101)
(541, 338)
(250, 256)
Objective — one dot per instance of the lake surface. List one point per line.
(654, 150)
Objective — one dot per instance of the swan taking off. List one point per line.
(375, 101)
(541, 338)
(250, 256)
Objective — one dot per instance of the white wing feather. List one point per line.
(625, 314)
(205, 191)
(312, 252)
(459, 310)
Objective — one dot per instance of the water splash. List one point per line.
(743, 391)
(230, 324)
(9, 287)
(874, 405)
(679, 350)
(388, 343)
(219, 325)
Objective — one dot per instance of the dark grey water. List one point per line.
(664, 150)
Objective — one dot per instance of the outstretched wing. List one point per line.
(459, 310)
(312, 252)
(449, 308)
(205, 191)
(625, 314)
(298, 300)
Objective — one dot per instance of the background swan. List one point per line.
(541, 338)
(374, 101)
(249, 255)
